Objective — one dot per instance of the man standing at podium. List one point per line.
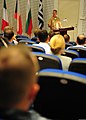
(54, 22)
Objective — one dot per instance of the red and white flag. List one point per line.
(17, 16)
(5, 16)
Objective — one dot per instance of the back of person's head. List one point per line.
(43, 35)
(18, 69)
(8, 32)
(57, 44)
(36, 31)
(66, 37)
(80, 39)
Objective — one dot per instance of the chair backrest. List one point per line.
(78, 65)
(67, 45)
(21, 36)
(27, 41)
(71, 53)
(62, 95)
(73, 43)
(80, 50)
(36, 48)
(48, 61)
(35, 39)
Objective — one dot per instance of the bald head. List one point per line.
(18, 69)
(81, 39)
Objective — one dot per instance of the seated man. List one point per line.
(80, 41)
(18, 83)
(43, 38)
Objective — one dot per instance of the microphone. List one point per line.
(65, 19)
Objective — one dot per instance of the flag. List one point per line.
(5, 16)
(28, 27)
(17, 16)
(40, 15)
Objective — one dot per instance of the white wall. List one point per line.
(82, 18)
(69, 9)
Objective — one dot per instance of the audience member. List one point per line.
(57, 44)
(35, 37)
(9, 34)
(66, 38)
(18, 83)
(80, 41)
(43, 38)
(67, 41)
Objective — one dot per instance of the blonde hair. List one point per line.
(57, 43)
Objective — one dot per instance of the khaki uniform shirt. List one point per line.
(54, 23)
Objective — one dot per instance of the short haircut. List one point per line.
(55, 10)
(8, 33)
(36, 31)
(57, 43)
(81, 39)
(18, 67)
(43, 35)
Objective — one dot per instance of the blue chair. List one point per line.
(21, 36)
(78, 65)
(73, 43)
(27, 41)
(71, 53)
(36, 48)
(62, 95)
(35, 39)
(80, 50)
(48, 61)
(67, 45)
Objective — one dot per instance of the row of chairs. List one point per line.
(62, 95)
(70, 53)
(78, 51)
(51, 61)
(73, 52)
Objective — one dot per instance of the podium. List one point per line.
(63, 30)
